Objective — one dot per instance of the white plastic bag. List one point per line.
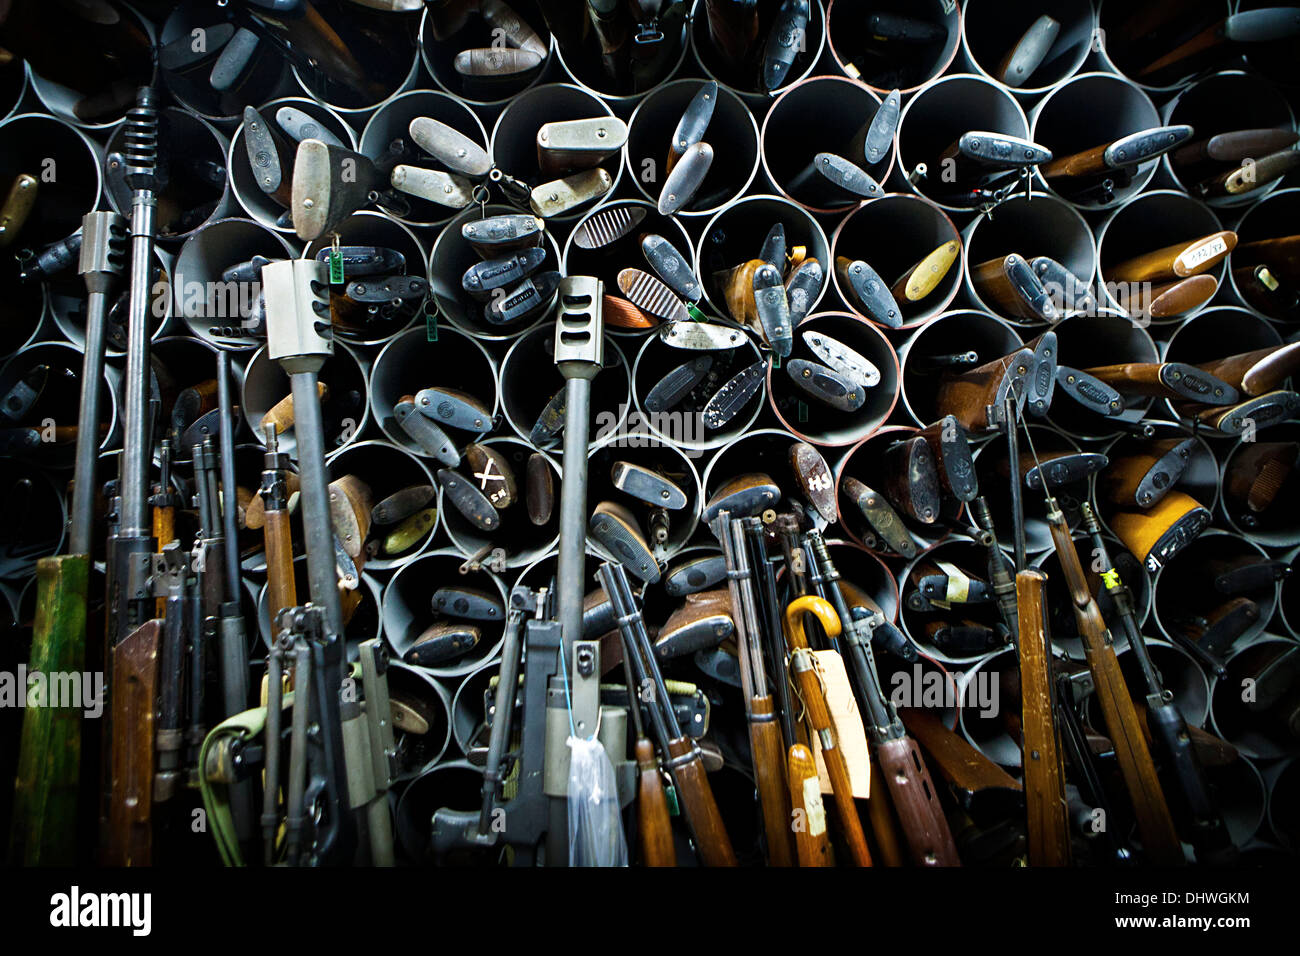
(595, 823)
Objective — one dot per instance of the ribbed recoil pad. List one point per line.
(651, 296)
(606, 226)
(525, 301)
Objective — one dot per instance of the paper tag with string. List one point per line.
(849, 733)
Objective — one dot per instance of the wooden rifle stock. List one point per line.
(884, 823)
(1045, 803)
(698, 803)
(819, 716)
(135, 690)
(1155, 824)
(653, 823)
(44, 823)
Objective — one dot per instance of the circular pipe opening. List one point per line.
(408, 609)
(67, 299)
(514, 138)
(1256, 104)
(732, 133)
(927, 629)
(1090, 342)
(815, 421)
(1215, 332)
(53, 418)
(1031, 227)
(385, 469)
(630, 79)
(419, 743)
(821, 114)
(735, 235)
(916, 227)
(344, 410)
(362, 622)
(1087, 111)
(643, 450)
(1152, 221)
(177, 363)
(987, 728)
(1184, 591)
(449, 259)
(392, 121)
(66, 165)
(441, 41)
(608, 261)
(1200, 477)
(683, 425)
(991, 31)
(453, 784)
(202, 298)
(760, 451)
(994, 471)
(384, 53)
(523, 541)
(1272, 217)
(375, 229)
(1257, 730)
(403, 368)
(1062, 626)
(529, 380)
(864, 462)
(1137, 36)
(189, 84)
(39, 514)
(1276, 524)
(739, 71)
(93, 79)
(243, 183)
(938, 115)
(197, 188)
(884, 65)
(952, 333)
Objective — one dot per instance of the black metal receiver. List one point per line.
(1209, 835)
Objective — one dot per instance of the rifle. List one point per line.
(43, 830)
(975, 397)
(682, 757)
(1049, 837)
(764, 732)
(1168, 729)
(1159, 838)
(913, 794)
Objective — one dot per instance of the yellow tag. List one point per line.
(958, 583)
(1110, 578)
(847, 722)
(813, 807)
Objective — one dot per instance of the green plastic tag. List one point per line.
(336, 267)
(431, 326)
(694, 312)
(776, 360)
(803, 412)
(670, 794)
